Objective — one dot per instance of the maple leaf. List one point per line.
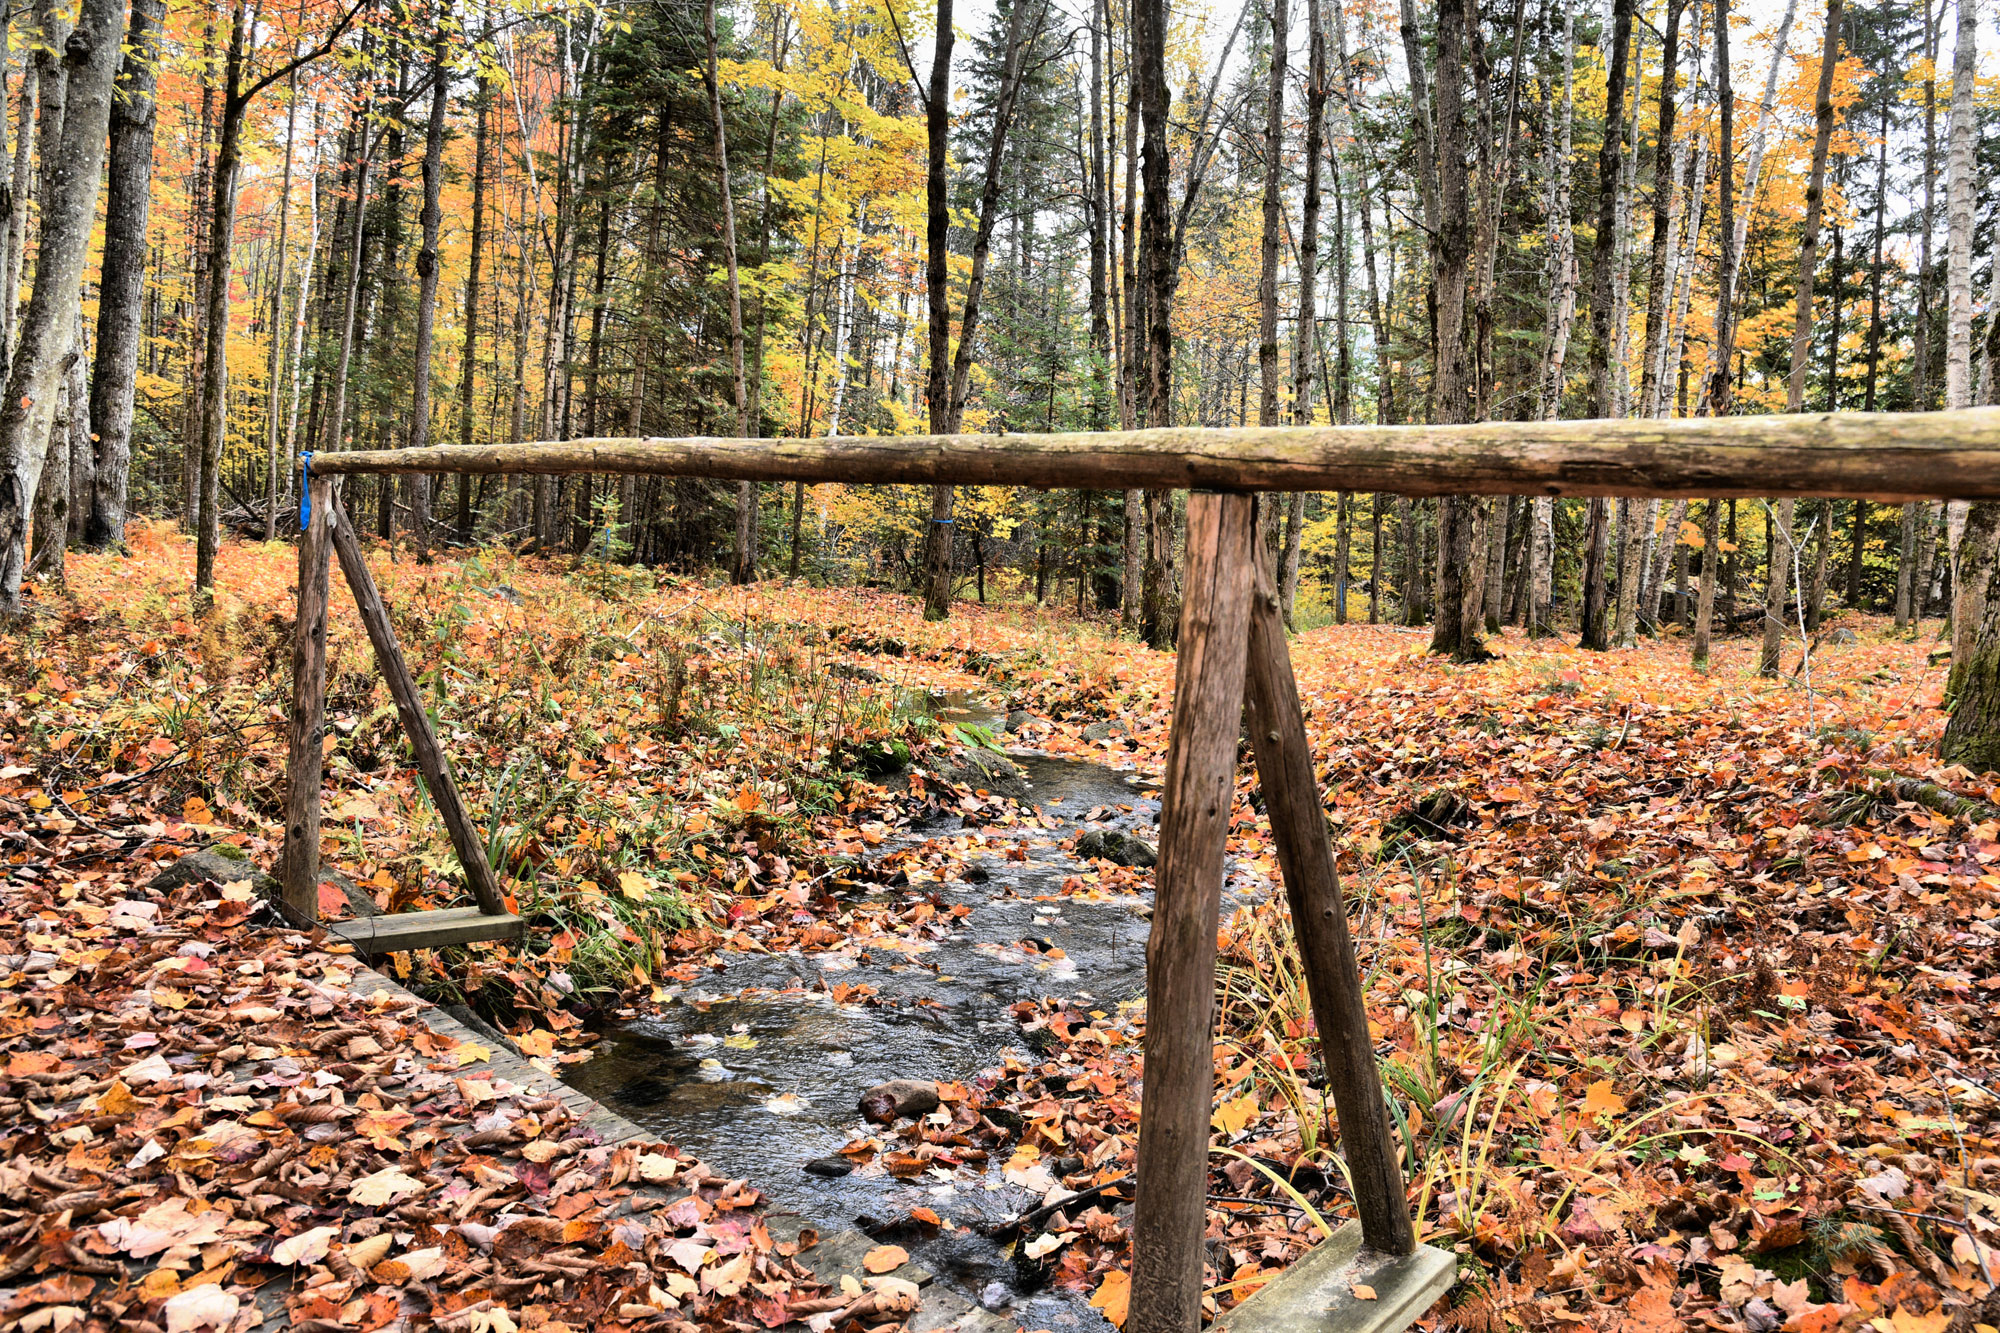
(1114, 1296)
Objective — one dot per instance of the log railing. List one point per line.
(1877, 456)
(1233, 666)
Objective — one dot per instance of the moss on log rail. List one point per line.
(1878, 456)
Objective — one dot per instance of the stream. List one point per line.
(759, 1083)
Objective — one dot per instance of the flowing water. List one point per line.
(756, 1070)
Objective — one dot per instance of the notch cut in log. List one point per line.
(1883, 456)
(430, 756)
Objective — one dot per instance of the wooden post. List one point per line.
(431, 761)
(1172, 1171)
(1319, 919)
(299, 880)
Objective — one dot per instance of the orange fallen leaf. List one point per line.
(1114, 1296)
(885, 1258)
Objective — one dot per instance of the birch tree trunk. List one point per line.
(90, 61)
(1783, 554)
(1715, 396)
(1959, 191)
(121, 287)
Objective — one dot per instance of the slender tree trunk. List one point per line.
(469, 357)
(122, 283)
(17, 223)
(215, 356)
(1715, 398)
(274, 375)
(429, 218)
(1274, 184)
(744, 562)
(1597, 626)
(1665, 205)
(1711, 554)
(938, 543)
(90, 61)
(1782, 554)
(1959, 192)
(1156, 299)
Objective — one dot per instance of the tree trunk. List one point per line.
(1959, 191)
(1711, 554)
(1610, 176)
(215, 356)
(275, 367)
(1274, 181)
(1460, 574)
(938, 534)
(1782, 556)
(1665, 205)
(469, 357)
(429, 219)
(743, 567)
(122, 283)
(90, 61)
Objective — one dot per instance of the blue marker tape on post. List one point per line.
(305, 493)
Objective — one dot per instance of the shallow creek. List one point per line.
(759, 1083)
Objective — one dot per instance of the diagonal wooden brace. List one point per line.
(1319, 919)
(431, 761)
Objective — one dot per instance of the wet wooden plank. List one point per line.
(400, 932)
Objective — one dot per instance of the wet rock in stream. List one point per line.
(898, 1099)
(1118, 848)
(831, 1167)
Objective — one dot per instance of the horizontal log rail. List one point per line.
(1877, 456)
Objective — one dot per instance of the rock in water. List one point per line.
(888, 1102)
(829, 1166)
(1118, 848)
(983, 770)
(995, 1296)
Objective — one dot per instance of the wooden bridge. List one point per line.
(1233, 670)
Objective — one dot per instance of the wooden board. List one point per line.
(373, 936)
(1879, 456)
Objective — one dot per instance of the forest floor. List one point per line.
(1684, 983)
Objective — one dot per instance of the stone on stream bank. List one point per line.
(1118, 848)
(225, 863)
(901, 1098)
(983, 770)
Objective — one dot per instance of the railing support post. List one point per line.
(1172, 1172)
(299, 880)
(1319, 919)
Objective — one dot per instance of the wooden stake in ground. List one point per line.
(431, 761)
(1172, 1169)
(1319, 920)
(299, 869)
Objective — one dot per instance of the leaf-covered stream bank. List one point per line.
(759, 1069)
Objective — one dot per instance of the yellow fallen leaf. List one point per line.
(1362, 1291)
(634, 885)
(1233, 1117)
